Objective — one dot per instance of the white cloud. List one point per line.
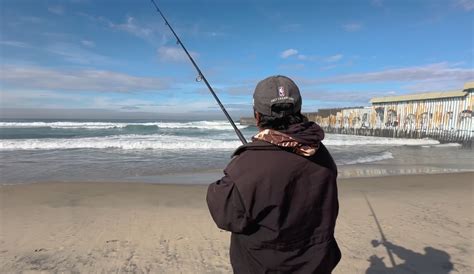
(352, 27)
(287, 53)
(16, 44)
(37, 98)
(303, 57)
(75, 54)
(58, 10)
(104, 102)
(334, 58)
(467, 5)
(435, 73)
(40, 78)
(196, 29)
(88, 43)
(174, 54)
(132, 27)
(153, 33)
(354, 97)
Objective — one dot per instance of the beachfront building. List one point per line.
(446, 116)
(451, 110)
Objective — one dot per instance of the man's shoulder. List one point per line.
(250, 157)
(246, 156)
(255, 146)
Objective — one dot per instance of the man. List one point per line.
(279, 195)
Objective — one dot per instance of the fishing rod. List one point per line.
(201, 76)
(382, 235)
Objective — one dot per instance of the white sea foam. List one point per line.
(368, 159)
(443, 145)
(126, 142)
(210, 125)
(216, 125)
(172, 142)
(353, 140)
(65, 125)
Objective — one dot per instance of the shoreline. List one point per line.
(206, 177)
(166, 228)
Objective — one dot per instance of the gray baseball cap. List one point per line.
(275, 90)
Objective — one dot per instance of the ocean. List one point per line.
(189, 152)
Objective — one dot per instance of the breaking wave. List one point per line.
(372, 158)
(172, 142)
(352, 140)
(443, 145)
(205, 125)
(126, 142)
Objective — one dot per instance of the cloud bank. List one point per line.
(432, 72)
(40, 78)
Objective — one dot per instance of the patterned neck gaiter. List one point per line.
(283, 140)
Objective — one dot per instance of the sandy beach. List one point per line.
(86, 227)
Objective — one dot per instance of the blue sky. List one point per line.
(118, 58)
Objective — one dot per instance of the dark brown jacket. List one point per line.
(281, 209)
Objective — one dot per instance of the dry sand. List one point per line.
(151, 228)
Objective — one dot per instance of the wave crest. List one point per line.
(126, 142)
(372, 158)
(209, 125)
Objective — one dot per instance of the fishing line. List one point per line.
(201, 76)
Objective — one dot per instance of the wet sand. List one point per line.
(426, 220)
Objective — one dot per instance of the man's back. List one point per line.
(287, 207)
(279, 194)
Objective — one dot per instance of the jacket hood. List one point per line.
(303, 138)
(306, 133)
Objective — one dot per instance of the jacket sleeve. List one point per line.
(226, 206)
